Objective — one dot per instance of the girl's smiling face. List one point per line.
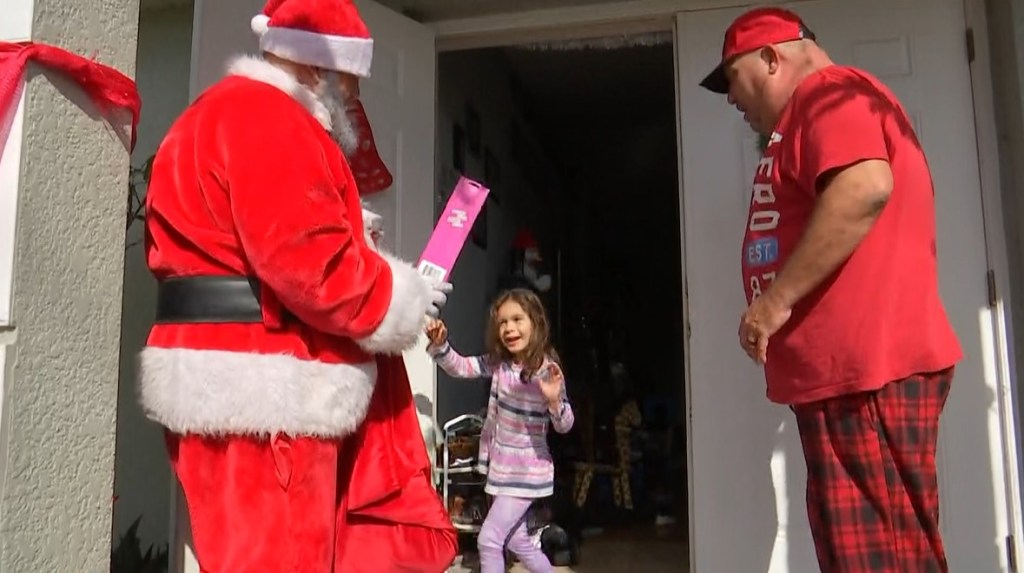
(515, 329)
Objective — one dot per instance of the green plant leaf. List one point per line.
(128, 557)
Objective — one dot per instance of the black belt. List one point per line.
(189, 300)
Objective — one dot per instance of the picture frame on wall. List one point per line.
(473, 131)
(479, 231)
(492, 174)
(458, 149)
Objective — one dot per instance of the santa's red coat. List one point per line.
(265, 420)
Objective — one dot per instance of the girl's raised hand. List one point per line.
(551, 382)
(437, 332)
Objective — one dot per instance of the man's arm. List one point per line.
(852, 199)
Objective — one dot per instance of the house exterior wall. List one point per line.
(60, 379)
(16, 26)
(59, 392)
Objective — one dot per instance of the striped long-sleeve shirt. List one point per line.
(513, 444)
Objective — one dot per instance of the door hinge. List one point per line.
(1011, 552)
(969, 37)
(993, 295)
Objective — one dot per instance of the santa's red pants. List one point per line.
(282, 507)
(872, 490)
(260, 506)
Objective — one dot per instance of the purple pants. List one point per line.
(505, 514)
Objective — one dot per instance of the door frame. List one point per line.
(998, 256)
(645, 16)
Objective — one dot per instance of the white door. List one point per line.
(399, 100)
(748, 473)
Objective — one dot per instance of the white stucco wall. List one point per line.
(143, 479)
(60, 380)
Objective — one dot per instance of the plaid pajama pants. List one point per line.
(872, 489)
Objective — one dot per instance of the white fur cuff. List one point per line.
(215, 392)
(406, 315)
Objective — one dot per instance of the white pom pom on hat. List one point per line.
(328, 34)
(259, 24)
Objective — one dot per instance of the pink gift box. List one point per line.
(452, 229)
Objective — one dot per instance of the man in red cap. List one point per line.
(275, 361)
(839, 269)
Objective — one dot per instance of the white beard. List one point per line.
(343, 131)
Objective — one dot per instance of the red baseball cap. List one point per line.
(754, 30)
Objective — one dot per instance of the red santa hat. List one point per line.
(524, 240)
(328, 34)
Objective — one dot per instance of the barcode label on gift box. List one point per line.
(432, 271)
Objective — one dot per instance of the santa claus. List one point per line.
(526, 261)
(275, 361)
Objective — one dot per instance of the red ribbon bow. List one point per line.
(108, 89)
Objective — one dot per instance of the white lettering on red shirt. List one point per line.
(761, 246)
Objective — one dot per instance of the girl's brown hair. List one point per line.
(540, 341)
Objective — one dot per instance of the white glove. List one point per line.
(373, 228)
(438, 298)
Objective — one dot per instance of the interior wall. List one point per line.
(142, 482)
(626, 243)
(481, 79)
(623, 282)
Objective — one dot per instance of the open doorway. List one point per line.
(577, 140)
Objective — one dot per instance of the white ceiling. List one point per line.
(164, 4)
(628, 82)
(432, 10)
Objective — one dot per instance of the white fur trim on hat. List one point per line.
(337, 53)
(217, 393)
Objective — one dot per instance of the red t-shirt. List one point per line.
(879, 317)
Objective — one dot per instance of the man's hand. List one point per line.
(763, 318)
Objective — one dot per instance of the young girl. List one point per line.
(527, 394)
